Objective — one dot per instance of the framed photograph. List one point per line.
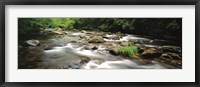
(100, 43)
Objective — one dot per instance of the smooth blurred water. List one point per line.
(69, 53)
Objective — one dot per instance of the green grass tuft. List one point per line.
(128, 51)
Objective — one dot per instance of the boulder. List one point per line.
(151, 53)
(83, 31)
(114, 51)
(171, 49)
(136, 56)
(96, 39)
(84, 59)
(141, 49)
(87, 37)
(171, 56)
(33, 42)
(125, 43)
(58, 31)
(114, 44)
(84, 37)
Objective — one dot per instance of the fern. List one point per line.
(128, 50)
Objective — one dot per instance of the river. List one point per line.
(69, 52)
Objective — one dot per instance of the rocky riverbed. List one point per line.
(80, 49)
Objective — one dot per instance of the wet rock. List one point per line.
(171, 49)
(125, 43)
(65, 32)
(91, 47)
(112, 45)
(136, 56)
(87, 37)
(171, 56)
(58, 31)
(151, 53)
(84, 59)
(84, 37)
(115, 45)
(33, 42)
(83, 31)
(114, 51)
(141, 49)
(96, 39)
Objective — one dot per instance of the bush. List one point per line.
(128, 50)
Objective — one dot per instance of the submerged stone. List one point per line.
(33, 42)
(151, 53)
(96, 39)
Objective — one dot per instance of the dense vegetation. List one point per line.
(165, 28)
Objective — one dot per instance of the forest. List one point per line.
(95, 43)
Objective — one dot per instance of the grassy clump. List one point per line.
(128, 51)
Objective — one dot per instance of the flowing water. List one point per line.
(66, 53)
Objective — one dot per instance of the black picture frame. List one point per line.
(98, 2)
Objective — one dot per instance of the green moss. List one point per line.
(128, 50)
